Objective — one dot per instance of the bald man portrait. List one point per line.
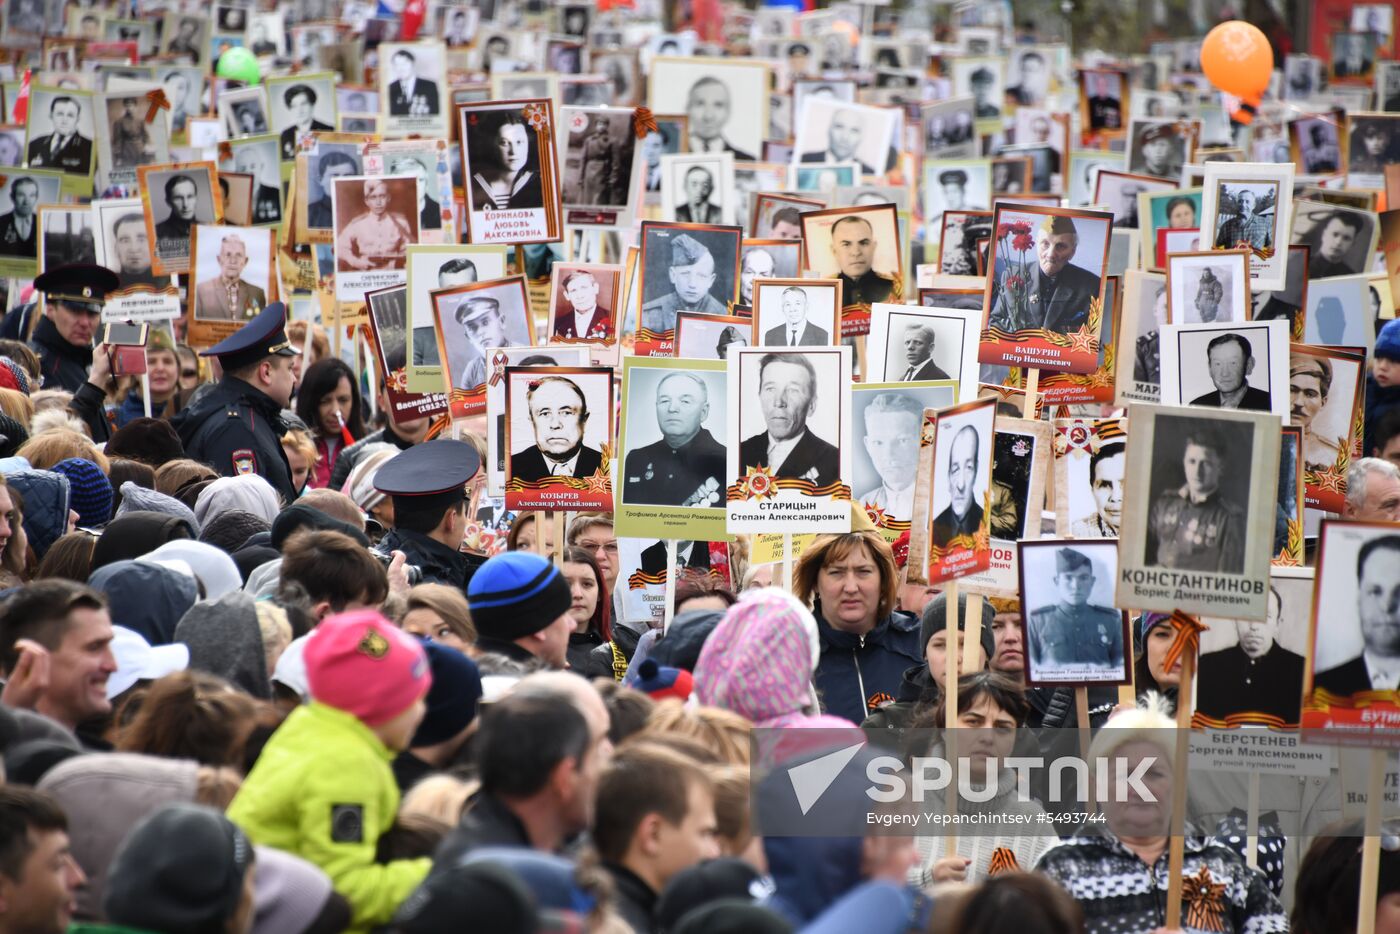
(963, 516)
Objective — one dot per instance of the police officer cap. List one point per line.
(82, 284)
(1067, 559)
(1058, 224)
(687, 251)
(953, 177)
(982, 76)
(264, 336)
(433, 468)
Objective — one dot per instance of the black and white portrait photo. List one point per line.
(301, 106)
(496, 401)
(67, 237)
(983, 79)
(669, 137)
(1208, 286)
(232, 273)
(1198, 514)
(412, 88)
(176, 199)
(1073, 632)
(125, 139)
(1316, 144)
(949, 129)
(858, 246)
(959, 253)
(686, 268)
(1118, 191)
(957, 185)
(1244, 207)
(1353, 57)
(830, 132)
(1160, 147)
(442, 267)
(1342, 240)
(819, 89)
(1237, 365)
(324, 163)
(475, 319)
(887, 425)
(796, 312)
(711, 337)
(908, 344)
(244, 112)
(725, 101)
(258, 158)
(779, 217)
(674, 443)
(1250, 669)
(1030, 77)
(1302, 76)
(1103, 99)
(962, 470)
(698, 189)
(600, 165)
(1373, 142)
(1388, 87)
(186, 35)
(1356, 645)
(511, 170)
(766, 259)
(552, 428)
(789, 435)
(60, 130)
(1139, 361)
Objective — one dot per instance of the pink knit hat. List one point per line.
(361, 663)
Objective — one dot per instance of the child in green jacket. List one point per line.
(323, 788)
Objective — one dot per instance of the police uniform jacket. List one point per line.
(1232, 682)
(63, 365)
(1205, 536)
(439, 564)
(664, 476)
(1076, 635)
(237, 429)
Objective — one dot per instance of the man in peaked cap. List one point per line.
(1160, 154)
(1074, 631)
(74, 295)
(1059, 292)
(692, 275)
(428, 483)
(982, 81)
(954, 182)
(237, 427)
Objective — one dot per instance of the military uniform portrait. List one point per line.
(1228, 366)
(472, 321)
(1103, 100)
(125, 140)
(60, 130)
(258, 157)
(1118, 191)
(674, 442)
(600, 165)
(1208, 287)
(860, 247)
(1160, 147)
(1250, 670)
(887, 423)
(1325, 393)
(957, 185)
(984, 80)
(1073, 632)
(686, 268)
(232, 273)
(20, 197)
(1197, 516)
(1355, 635)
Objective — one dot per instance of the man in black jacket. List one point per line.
(74, 295)
(428, 483)
(788, 397)
(237, 427)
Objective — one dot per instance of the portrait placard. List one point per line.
(1225, 365)
(236, 192)
(559, 454)
(725, 99)
(673, 427)
(1139, 374)
(1074, 634)
(861, 247)
(1020, 464)
(440, 266)
(1048, 312)
(1249, 206)
(388, 327)
(886, 420)
(511, 170)
(300, 105)
(472, 321)
(789, 440)
(232, 278)
(1118, 192)
(1178, 209)
(582, 307)
(1288, 303)
(243, 112)
(959, 245)
(602, 171)
(1160, 147)
(257, 156)
(956, 185)
(1208, 286)
(796, 312)
(323, 159)
(1063, 389)
(912, 343)
(765, 259)
(1349, 692)
(711, 337)
(412, 83)
(959, 536)
(65, 235)
(777, 216)
(496, 400)
(949, 128)
(1325, 386)
(376, 218)
(1090, 467)
(1288, 524)
(683, 267)
(175, 197)
(832, 132)
(126, 138)
(698, 188)
(1342, 239)
(1201, 496)
(429, 160)
(124, 246)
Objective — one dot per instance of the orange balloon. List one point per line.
(1238, 60)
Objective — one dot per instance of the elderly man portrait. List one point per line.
(963, 515)
(787, 396)
(1255, 675)
(757, 263)
(1230, 360)
(796, 330)
(1244, 226)
(19, 226)
(692, 274)
(1309, 388)
(1107, 468)
(843, 138)
(580, 317)
(919, 341)
(708, 108)
(697, 208)
(891, 440)
(558, 417)
(686, 467)
(229, 297)
(1058, 292)
(1373, 491)
(1072, 631)
(1194, 526)
(1377, 668)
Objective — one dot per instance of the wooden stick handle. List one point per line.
(950, 720)
(1177, 855)
(1371, 844)
(672, 582)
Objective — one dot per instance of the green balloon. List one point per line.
(239, 65)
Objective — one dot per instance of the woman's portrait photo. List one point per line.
(510, 177)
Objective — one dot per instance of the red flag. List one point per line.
(22, 100)
(414, 11)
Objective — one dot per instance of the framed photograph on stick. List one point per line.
(501, 358)
(887, 420)
(1020, 466)
(1090, 469)
(1249, 207)
(1225, 365)
(473, 321)
(511, 170)
(388, 328)
(959, 538)
(1325, 389)
(1074, 634)
(558, 453)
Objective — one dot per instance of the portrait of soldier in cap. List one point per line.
(692, 274)
(686, 466)
(558, 412)
(1069, 632)
(1160, 150)
(1309, 391)
(963, 515)
(954, 184)
(1195, 526)
(983, 83)
(1256, 674)
(787, 396)
(1059, 292)
(484, 326)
